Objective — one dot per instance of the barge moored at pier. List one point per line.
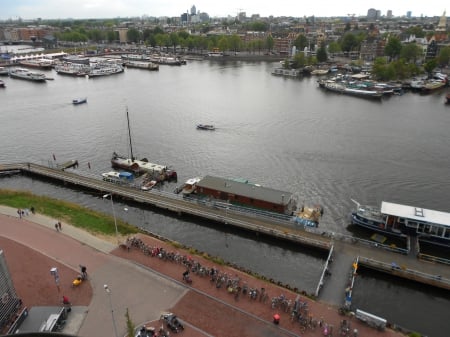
(428, 225)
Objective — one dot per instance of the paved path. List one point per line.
(148, 286)
(141, 290)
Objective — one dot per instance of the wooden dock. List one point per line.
(67, 164)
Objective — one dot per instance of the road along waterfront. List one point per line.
(277, 132)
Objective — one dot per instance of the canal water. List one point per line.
(281, 133)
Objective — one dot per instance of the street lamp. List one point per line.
(108, 291)
(106, 196)
(54, 273)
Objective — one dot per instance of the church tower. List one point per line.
(441, 30)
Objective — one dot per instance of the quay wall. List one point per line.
(273, 228)
(403, 272)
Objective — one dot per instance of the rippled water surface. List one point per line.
(281, 133)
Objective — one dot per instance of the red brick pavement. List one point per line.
(205, 309)
(217, 312)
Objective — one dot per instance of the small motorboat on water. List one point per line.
(148, 185)
(190, 186)
(206, 127)
(79, 100)
(2, 84)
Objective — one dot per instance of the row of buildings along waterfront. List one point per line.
(283, 30)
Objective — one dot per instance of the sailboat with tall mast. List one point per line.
(157, 171)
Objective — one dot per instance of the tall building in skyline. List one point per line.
(193, 10)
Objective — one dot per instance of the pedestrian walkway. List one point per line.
(148, 286)
(141, 290)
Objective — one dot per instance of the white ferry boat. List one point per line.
(25, 74)
(105, 69)
(428, 225)
(72, 69)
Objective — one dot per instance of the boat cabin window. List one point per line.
(419, 228)
(447, 233)
(440, 231)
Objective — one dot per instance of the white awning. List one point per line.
(416, 213)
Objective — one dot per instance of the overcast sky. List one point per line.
(79, 9)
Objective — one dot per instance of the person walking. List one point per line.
(59, 225)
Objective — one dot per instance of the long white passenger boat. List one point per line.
(25, 74)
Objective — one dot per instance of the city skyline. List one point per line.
(83, 9)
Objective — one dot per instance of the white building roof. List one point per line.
(416, 213)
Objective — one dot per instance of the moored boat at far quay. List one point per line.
(105, 69)
(167, 60)
(342, 88)
(4, 71)
(142, 65)
(72, 69)
(25, 74)
(37, 64)
(433, 85)
(401, 220)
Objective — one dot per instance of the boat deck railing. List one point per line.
(402, 271)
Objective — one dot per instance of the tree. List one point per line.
(443, 57)
(133, 35)
(175, 40)
(334, 47)
(235, 42)
(417, 31)
(270, 42)
(258, 26)
(259, 44)
(96, 35)
(411, 52)
(130, 325)
(301, 42)
(299, 60)
(430, 65)
(112, 36)
(223, 43)
(349, 42)
(393, 47)
(322, 55)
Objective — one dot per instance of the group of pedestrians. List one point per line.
(24, 212)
